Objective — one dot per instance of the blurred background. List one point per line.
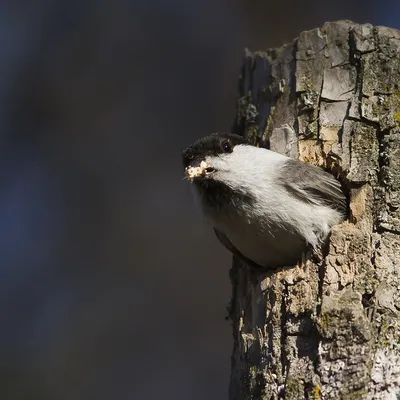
(110, 285)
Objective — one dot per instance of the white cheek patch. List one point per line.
(229, 167)
(219, 163)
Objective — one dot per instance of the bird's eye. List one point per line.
(226, 147)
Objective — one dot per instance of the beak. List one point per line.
(198, 170)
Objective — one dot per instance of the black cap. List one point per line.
(212, 145)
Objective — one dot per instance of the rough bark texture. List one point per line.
(328, 329)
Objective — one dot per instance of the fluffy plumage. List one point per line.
(265, 207)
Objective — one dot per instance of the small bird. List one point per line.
(265, 208)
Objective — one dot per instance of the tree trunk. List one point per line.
(327, 329)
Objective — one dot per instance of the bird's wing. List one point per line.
(229, 246)
(311, 184)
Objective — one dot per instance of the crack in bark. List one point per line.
(284, 361)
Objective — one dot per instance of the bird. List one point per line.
(265, 208)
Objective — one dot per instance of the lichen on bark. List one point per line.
(327, 329)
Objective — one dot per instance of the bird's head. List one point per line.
(218, 165)
(211, 157)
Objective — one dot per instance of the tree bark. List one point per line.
(327, 329)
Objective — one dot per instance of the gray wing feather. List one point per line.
(229, 246)
(312, 184)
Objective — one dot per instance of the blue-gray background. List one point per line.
(110, 286)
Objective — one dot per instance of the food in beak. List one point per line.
(202, 170)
